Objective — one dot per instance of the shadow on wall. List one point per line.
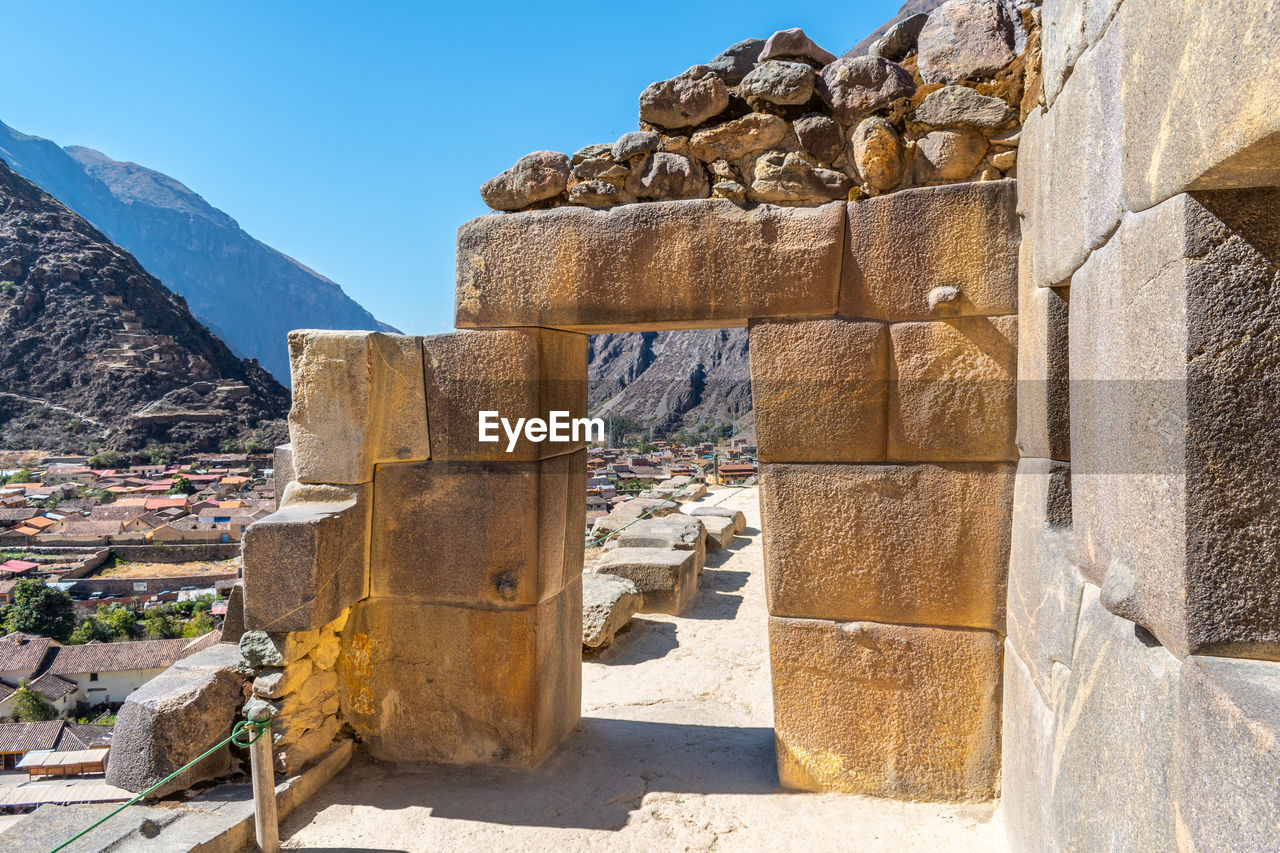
(594, 781)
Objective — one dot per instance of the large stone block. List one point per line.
(676, 264)
(608, 603)
(1044, 586)
(1112, 782)
(358, 400)
(1175, 444)
(819, 390)
(1069, 165)
(739, 520)
(516, 373)
(1026, 759)
(668, 579)
(175, 717)
(1187, 125)
(1070, 27)
(676, 531)
(903, 246)
(887, 710)
(308, 561)
(282, 471)
(1228, 754)
(453, 684)
(513, 530)
(954, 393)
(919, 544)
(1044, 407)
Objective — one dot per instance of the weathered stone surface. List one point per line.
(954, 394)
(794, 44)
(667, 579)
(1187, 124)
(899, 41)
(876, 150)
(667, 176)
(789, 177)
(520, 549)
(960, 106)
(739, 520)
(731, 190)
(778, 82)
(1044, 586)
(903, 245)
(596, 193)
(819, 390)
(357, 400)
(969, 38)
(308, 561)
(282, 470)
(233, 622)
(592, 270)
(590, 152)
(675, 532)
(895, 711)
(277, 682)
(515, 373)
(689, 99)
(1114, 734)
(535, 177)
(175, 717)
(604, 166)
(819, 136)
(1174, 445)
(633, 510)
(719, 532)
(476, 685)
(1069, 167)
(861, 85)
(1070, 28)
(919, 544)
(1026, 765)
(297, 755)
(736, 62)
(1044, 408)
(608, 603)
(742, 137)
(1228, 757)
(637, 143)
(949, 155)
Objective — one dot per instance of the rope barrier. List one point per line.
(259, 726)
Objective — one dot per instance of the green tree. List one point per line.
(199, 625)
(182, 486)
(156, 453)
(159, 625)
(23, 476)
(106, 459)
(30, 705)
(40, 609)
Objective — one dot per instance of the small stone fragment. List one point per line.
(737, 61)
(603, 167)
(794, 44)
(877, 153)
(820, 137)
(667, 176)
(899, 41)
(689, 99)
(731, 190)
(1005, 160)
(960, 106)
(778, 82)
(861, 85)
(535, 177)
(949, 155)
(586, 152)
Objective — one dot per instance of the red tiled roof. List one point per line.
(116, 657)
(21, 652)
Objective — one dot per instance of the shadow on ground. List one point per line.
(593, 781)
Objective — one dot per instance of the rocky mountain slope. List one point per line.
(672, 380)
(94, 351)
(247, 292)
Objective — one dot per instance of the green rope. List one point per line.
(259, 725)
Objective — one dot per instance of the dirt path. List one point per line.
(674, 752)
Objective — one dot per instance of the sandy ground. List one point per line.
(674, 752)
(170, 570)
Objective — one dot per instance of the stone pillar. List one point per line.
(887, 443)
(468, 648)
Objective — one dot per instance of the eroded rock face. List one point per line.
(900, 40)
(789, 177)
(778, 82)
(535, 177)
(666, 175)
(949, 154)
(739, 138)
(820, 137)
(856, 87)
(690, 99)
(960, 106)
(969, 38)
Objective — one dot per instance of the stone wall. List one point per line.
(1142, 667)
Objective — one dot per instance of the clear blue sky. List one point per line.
(354, 136)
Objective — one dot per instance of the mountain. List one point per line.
(672, 380)
(94, 351)
(247, 292)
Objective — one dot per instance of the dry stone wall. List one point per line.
(1142, 673)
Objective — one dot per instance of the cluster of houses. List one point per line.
(68, 504)
(615, 476)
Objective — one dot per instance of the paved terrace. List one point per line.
(674, 752)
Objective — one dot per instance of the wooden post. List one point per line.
(264, 792)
